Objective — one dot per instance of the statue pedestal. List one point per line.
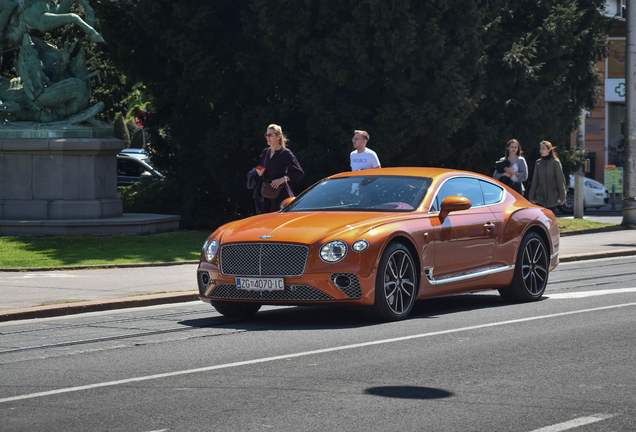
(66, 186)
(59, 178)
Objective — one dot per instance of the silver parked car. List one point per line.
(132, 165)
(595, 195)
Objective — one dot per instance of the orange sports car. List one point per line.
(382, 239)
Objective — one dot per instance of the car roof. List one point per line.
(435, 173)
(134, 155)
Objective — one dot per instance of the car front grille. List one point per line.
(263, 259)
(291, 292)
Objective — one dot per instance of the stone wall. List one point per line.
(59, 178)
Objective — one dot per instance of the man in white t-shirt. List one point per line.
(362, 158)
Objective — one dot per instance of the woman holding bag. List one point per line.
(277, 167)
(512, 169)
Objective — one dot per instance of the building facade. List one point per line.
(605, 124)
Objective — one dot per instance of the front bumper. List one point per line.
(310, 288)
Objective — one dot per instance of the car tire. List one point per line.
(395, 285)
(531, 271)
(568, 207)
(237, 310)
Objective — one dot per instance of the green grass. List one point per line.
(104, 250)
(566, 225)
(100, 250)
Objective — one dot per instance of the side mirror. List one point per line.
(286, 202)
(454, 203)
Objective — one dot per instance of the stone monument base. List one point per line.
(63, 181)
(59, 178)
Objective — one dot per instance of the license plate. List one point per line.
(260, 284)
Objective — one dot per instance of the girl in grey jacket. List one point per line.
(516, 172)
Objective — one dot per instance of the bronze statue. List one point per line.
(51, 85)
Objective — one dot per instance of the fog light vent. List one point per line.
(348, 283)
(204, 280)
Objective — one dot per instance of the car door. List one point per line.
(464, 240)
(128, 171)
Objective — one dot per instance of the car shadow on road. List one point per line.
(342, 317)
(409, 392)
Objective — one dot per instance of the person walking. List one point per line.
(277, 167)
(361, 157)
(512, 169)
(548, 182)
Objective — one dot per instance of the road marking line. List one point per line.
(584, 294)
(41, 275)
(302, 354)
(581, 421)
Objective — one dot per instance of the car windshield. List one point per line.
(364, 193)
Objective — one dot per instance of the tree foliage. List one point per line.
(539, 75)
(436, 83)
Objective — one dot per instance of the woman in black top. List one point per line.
(277, 166)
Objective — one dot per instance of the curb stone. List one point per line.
(97, 266)
(96, 305)
(593, 230)
(597, 255)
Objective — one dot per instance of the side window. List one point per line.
(129, 168)
(463, 187)
(492, 193)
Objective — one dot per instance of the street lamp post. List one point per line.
(579, 177)
(629, 200)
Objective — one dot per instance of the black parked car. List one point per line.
(132, 165)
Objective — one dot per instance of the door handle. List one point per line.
(489, 225)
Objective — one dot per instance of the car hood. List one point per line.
(305, 227)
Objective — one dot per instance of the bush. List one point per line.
(151, 197)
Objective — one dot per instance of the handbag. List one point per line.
(499, 166)
(269, 192)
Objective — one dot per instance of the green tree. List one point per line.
(540, 74)
(436, 83)
(121, 131)
(220, 72)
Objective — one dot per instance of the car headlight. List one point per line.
(210, 249)
(333, 251)
(360, 245)
(593, 185)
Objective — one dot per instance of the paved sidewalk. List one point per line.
(77, 291)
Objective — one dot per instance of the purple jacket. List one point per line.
(283, 163)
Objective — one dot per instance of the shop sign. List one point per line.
(615, 90)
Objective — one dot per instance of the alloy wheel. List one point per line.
(399, 282)
(534, 267)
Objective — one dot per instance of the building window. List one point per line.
(616, 134)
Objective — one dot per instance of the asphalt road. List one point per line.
(463, 363)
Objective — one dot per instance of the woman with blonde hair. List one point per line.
(548, 182)
(512, 169)
(277, 167)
